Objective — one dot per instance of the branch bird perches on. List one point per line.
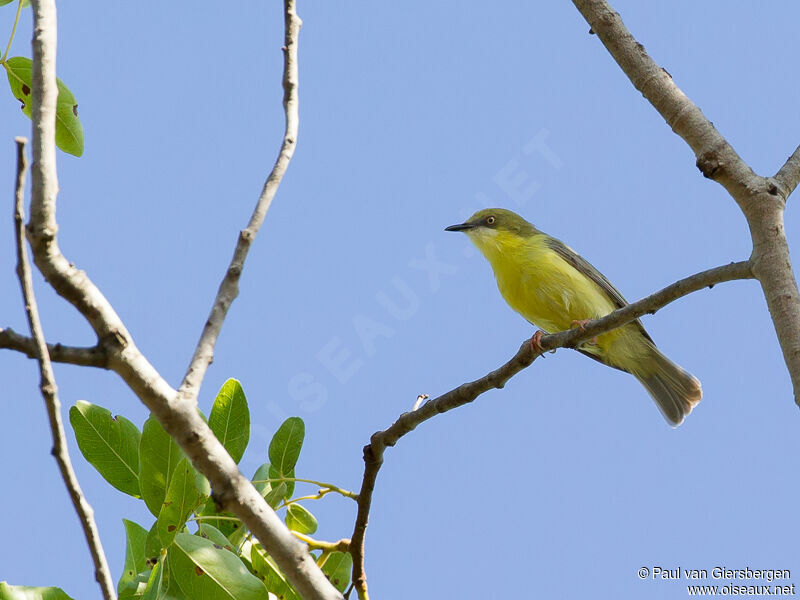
(468, 392)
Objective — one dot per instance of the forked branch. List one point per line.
(762, 199)
(176, 412)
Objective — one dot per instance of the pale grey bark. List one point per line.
(83, 356)
(174, 411)
(229, 288)
(789, 174)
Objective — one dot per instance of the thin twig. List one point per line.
(318, 496)
(50, 391)
(789, 174)
(342, 545)
(87, 356)
(329, 487)
(420, 399)
(466, 393)
(229, 288)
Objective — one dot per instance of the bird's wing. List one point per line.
(583, 266)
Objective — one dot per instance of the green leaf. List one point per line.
(226, 526)
(152, 546)
(203, 571)
(69, 131)
(158, 455)
(135, 539)
(153, 590)
(259, 477)
(267, 570)
(276, 495)
(284, 449)
(237, 536)
(153, 584)
(215, 536)
(161, 584)
(245, 549)
(135, 589)
(338, 568)
(300, 519)
(230, 419)
(275, 474)
(181, 499)
(171, 590)
(22, 592)
(110, 444)
(268, 488)
(24, 2)
(201, 485)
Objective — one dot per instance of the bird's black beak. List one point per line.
(461, 227)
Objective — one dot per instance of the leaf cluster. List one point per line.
(219, 560)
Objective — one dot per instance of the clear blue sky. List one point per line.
(563, 484)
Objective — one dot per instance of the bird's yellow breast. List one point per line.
(538, 283)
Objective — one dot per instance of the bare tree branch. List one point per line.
(229, 288)
(177, 415)
(88, 356)
(467, 392)
(761, 199)
(789, 175)
(50, 390)
(715, 156)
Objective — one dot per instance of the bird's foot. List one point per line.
(536, 342)
(582, 324)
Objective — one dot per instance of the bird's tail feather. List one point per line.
(675, 391)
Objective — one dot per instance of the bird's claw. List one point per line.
(582, 324)
(536, 342)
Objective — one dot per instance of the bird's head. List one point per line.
(492, 228)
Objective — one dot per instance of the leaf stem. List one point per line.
(325, 487)
(13, 32)
(199, 518)
(316, 496)
(342, 545)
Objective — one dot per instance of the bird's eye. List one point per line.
(490, 220)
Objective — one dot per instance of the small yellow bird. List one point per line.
(555, 289)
